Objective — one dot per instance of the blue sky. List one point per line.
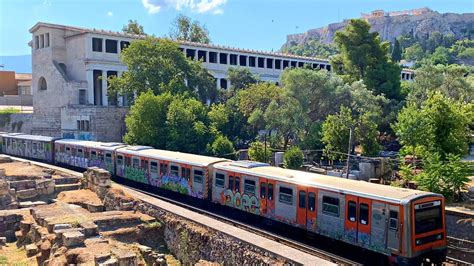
(255, 24)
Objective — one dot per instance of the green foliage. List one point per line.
(364, 56)
(439, 125)
(133, 28)
(293, 158)
(312, 48)
(396, 52)
(311, 139)
(444, 177)
(414, 52)
(9, 110)
(441, 56)
(336, 129)
(159, 65)
(241, 77)
(257, 152)
(222, 147)
(184, 29)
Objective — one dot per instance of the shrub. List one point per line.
(293, 158)
(257, 152)
(222, 147)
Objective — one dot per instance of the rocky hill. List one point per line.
(389, 25)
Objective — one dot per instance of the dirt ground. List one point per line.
(75, 196)
(21, 169)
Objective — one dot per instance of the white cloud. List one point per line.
(199, 6)
(110, 13)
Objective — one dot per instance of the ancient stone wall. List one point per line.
(16, 123)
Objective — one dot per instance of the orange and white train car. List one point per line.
(407, 225)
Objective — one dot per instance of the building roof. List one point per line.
(23, 76)
(339, 185)
(24, 83)
(135, 36)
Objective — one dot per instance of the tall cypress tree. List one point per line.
(397, 51)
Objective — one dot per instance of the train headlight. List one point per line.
(439, 236)
(418, 242)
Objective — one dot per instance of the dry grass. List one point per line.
(12, 255)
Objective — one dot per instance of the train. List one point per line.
(408, 226)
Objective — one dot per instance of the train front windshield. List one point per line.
(428, 217)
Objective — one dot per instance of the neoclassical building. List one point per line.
(71, 66)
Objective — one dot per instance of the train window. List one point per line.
(163, 169)
(220, 180)
(154, 167)
(364, 213)
(100, 156)
(119, 159)
(174, 170)
(286, 195)
(35, 146)
(270, 191)
(302, 199)
(263, 190)
(80, 153)
(86, 154)
(198, 176)
(68, 150)
(311, 201)
(93, 155)
(135, 163)
(61, 148)
(237, 184)
(186, 173)
(249, 187)
(127, 161)
(108, 158)
(352, 211)
(331, 206)
(231, 183)
(145, 164)
(393, 222)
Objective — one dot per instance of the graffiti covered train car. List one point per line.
(406, 225)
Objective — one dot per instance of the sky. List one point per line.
(251, 24)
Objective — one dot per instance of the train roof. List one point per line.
(109, 146)
(336, 184)
(28, 137)
(174, 156)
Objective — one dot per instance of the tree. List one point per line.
(222, 147)
(293, 158)
(312, 48)
(414, 52)
(133, 28)
(441, 56)
(396, 51)
(184, 29)
(439, 125)
(336, 129)
(241, 77)
(157, 64)
(146, 121)
(364, 57)
(257, 152)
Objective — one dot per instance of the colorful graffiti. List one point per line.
(135, 174)
(244, 202)
(83, 162)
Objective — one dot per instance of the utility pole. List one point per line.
(349, 153)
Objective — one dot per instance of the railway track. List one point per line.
(286, 241)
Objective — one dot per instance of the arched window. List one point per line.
(42, 84)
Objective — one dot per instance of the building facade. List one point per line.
(71, 66)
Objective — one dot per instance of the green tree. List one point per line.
(336, 130)
(396, 51)
(293, 158)
(364, 57)
(312, 48)
(441, 56)
(257, 152)
(185, 29)
(146, 121)
(157, 64)
(439, 125)
(222, 147)
(133, 28)
(414, 52)
(241, 77)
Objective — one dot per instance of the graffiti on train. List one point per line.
(83, 162)
(244, 202)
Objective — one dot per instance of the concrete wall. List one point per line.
(18, 100)
(16, 123)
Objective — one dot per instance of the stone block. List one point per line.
(4, 188)
(95, 207)
(67, 187)
(26, 193)
(31, 250)
(3, 241)
(61, 227)
(73, 238)
(5, 159)
(90, 229)
(99, 259)
(25, 226)
(30, 204)
(127, 259)
(59, 233)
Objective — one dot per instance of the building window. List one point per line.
(202, 56)
(42, 85)
(111, 46)
(251, 61)
(285, 63)
(286, 195)
(331, 206)
(223, 58)
(223, 83)
(269, 63)
(124, 45)
(233, 59)
(46, 40)
(96, 44)
(315, 66)
(293, 63)
(243, 60)
(300, 64)
(37, 42)
(261, 62)
(277, 64)
(212, 57)
(82, 97)
(83, 125)
(190, 53)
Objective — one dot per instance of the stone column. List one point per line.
(120, 97)
(90, 86)
(218, 83)
(105, 101)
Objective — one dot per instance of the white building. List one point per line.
(71, 66)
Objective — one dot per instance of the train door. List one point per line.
(363, 226)
(302, 207)
(311, 209)
(263, 196)
(267, 204)
(350, 224)
(393, 230)
(378, 225)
